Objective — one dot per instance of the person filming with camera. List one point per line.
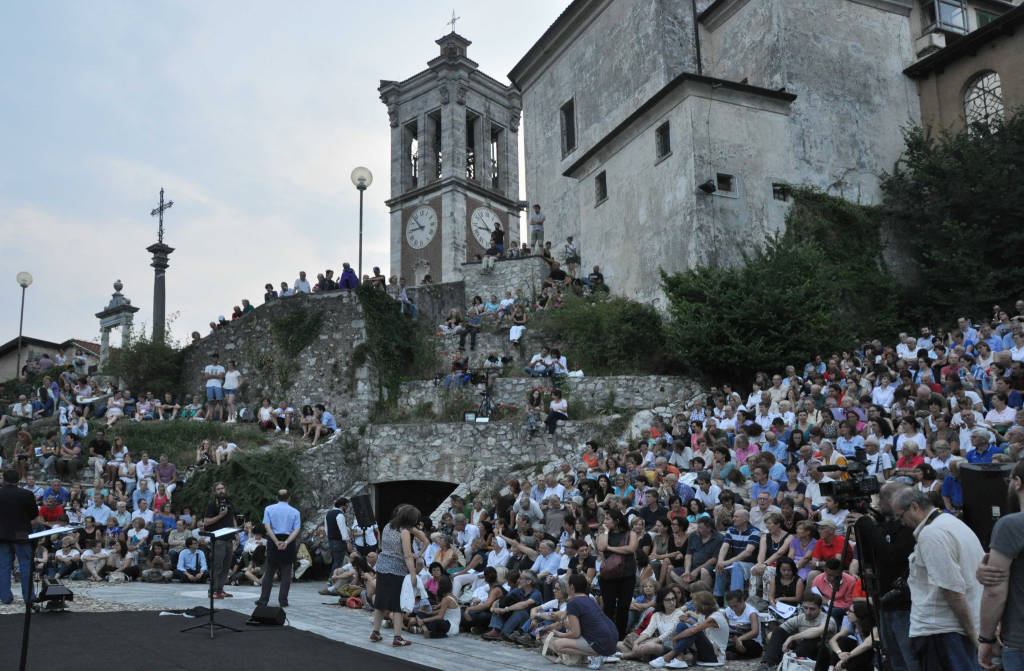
(219, 514)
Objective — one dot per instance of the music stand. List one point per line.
(218, 535)
(32, 538)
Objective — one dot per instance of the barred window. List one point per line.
(983, 100)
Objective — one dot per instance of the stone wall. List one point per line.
(630, 393)
(320, 373)
(524, 274)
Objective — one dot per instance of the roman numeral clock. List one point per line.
(454, 165)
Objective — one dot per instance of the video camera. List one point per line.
(854, 493)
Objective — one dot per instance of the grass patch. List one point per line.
(179, 440)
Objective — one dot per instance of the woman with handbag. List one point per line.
(616, 545)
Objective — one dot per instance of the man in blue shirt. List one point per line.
(191, 563)
(325, 425)
(737, 554)
(142, 492)
(762, 483)
(776, 447)
(56, 491)
(983, 450)
(508, 619)
(282, 524)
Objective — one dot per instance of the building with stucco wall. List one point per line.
(661, 135)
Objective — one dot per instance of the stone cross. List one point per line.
(159, 211)
(452, 22)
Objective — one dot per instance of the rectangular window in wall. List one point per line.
(600, 188)
(985, 17)
(568, 121)
(780, 191)
(412, 149)
(947, 15)
(725, 183)
(472, 122)
(662, 141)
(497, 140)
(435, 124)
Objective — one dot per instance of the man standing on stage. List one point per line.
(282, 524)
(17, 510)
(220, 514)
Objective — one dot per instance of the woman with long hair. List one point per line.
(395, 561)
(616, 545)
(653, 641)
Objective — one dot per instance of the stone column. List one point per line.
(104, 346)
(160, 252)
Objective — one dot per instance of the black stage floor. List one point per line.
(146, 641)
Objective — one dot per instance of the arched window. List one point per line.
(983, 100)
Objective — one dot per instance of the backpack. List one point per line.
(246, 415)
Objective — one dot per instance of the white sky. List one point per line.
(251, 115)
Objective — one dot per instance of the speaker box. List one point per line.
(267, 615)
(364, 510)
(985, 489)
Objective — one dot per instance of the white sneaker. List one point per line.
(277, 429)
(595, 662)
(657, 662)
(710, 663)
(677, 664)
(614, 659)
(286, 431)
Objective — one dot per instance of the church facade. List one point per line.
(677, 126)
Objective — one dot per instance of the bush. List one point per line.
(147, 365)
(396, 346)
(777, 308)
(957, 199)
(616, 336)
(253, 480)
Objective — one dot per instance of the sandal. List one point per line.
(375, 636)
(399, 642)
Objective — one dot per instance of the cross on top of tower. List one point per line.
(453, 20)
(159, 211)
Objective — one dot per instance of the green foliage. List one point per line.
(608, 337)
(297, 330)
(253, 478)
(180, 439)
(397, 347)
(147, 365)
(866, 295)
(957, 199)
(775, 309)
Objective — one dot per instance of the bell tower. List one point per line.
(454, 164)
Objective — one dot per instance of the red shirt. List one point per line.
(913, 462)
(51, 514)
(825, 551)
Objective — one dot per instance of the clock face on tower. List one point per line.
(482, 222)
(421, 227)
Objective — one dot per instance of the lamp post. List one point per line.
(24, 280)
(361, 178)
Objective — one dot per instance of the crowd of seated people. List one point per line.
(727, 499)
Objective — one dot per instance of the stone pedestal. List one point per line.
(160, 252)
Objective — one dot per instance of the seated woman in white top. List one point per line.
(654, 640)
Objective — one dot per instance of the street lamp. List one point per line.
(361, 178)
(24, 280)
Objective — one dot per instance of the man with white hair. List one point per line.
(983, 448)
(465, 533)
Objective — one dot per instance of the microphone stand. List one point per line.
(221, 535)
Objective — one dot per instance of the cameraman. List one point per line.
(885, 543)
(220, 514)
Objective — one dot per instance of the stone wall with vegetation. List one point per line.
(591, 395)
(298, 349)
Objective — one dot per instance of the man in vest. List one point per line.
(337, 537)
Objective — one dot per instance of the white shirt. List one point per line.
(231, 378)
(144, 469)
(214, 369)
(302, 286)
(466, 536)
(945, 557)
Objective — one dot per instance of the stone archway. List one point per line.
(426, 495)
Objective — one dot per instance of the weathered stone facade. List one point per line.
(620, 391)
(807, 92)
(320, 373)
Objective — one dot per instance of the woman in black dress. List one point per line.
(617, 584)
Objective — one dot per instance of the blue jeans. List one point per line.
(738, 572)
(339, 554)
(509, 624)
(945, 652)
(895, 629)
(8, 551)
(704, 651)
(1013, 659)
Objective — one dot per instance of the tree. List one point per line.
(958, 200)
(778, 308)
